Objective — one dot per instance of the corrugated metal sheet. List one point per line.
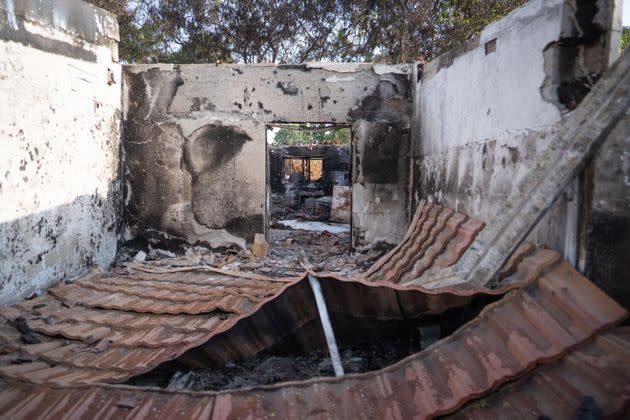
(436, 238)
(234, 318)
(528, 327)
(600, 368)
(113, 327)
(509, 340)
(150, 318)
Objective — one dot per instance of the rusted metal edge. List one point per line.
(456, 290)
(434, 346)
(419, 250)
(408, 291)
(538, 392)
(260, 306)
(410, 231)
(286, 289)
(260, 393)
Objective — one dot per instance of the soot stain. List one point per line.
(213, 146)
(288, 88)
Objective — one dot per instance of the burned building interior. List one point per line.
(316, 240)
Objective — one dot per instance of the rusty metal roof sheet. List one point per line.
(149, 318)
(527, 327)
(558, 314)
(146, 319)
(436, 238)
(599, 368)
(113, 327)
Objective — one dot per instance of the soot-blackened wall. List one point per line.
(194, 137)
(335, 158)
(484, 112)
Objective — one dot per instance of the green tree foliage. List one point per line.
(290, 31)
(625, 37)
(141, 37)
(294, 137)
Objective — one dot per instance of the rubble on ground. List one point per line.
(326, 251)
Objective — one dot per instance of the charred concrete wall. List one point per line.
(605, 216)
(604, 188)
(194, 136)
(60, 128)
(380, 182)
(485, 111)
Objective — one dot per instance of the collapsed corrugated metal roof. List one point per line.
(598, 368)
(113, 327)
(109, 328)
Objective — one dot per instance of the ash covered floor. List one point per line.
(371, 347)
(324, 250)
(267, 369)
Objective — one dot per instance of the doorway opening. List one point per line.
(309, 196)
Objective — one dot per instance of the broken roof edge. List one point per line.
(416, 301)
(339, 379)
(519, 17)
(575, 377)
(316, 383)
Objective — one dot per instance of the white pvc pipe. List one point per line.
(326, 325)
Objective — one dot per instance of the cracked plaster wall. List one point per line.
(194, 138)
(60, 96)
(483, 112)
